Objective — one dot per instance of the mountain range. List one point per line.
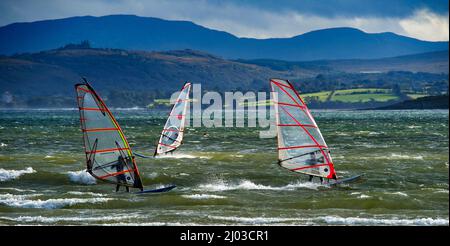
(133, 78)
(152, 34)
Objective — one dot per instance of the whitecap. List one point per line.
(81, 177)
(6, 175)
(181, 156)
(257, 220)
(203, 196)
(43, 219)
(23, 201)
(221, 185)
(362, 196)
(79, 193)
(398, 193)
(374, 221)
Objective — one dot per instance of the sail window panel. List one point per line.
(293, 116)
(295, 136)
(287, 97)
(315, 133)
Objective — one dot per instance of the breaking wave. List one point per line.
(221, 185)
(42, 219)
(373, 221)
(25, 201)
(333, 220)
(203, 196)
(81, 177)
(181, 156)
(6, 175)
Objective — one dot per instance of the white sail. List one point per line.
(172, 134)
(301, 146)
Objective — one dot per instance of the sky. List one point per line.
(425, 20)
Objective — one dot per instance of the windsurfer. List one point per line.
(313, 161)
(121, 178)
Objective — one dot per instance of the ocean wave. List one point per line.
(17, 189)
(221, 185)
(373, 221)
(362, 196)
(152, 175)
(203, 196)
(181, 156)
(42, 219)
(24, 201)
(413, 126)
(81, 177)
(393, 156)
(400, 156)
(6, 175)
(257, 220)
(398, 193)
(79, 193)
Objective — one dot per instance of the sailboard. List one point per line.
(301, 146)
(173, 132)
(109, 156)
(157, 190)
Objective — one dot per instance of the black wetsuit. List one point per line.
(121, 178)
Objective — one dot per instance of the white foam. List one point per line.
(398, 193)
(16, 189)
(221, 185)
(81, 177)
(237, 156)
(42, 219)
(79, 193)
(393, 156)
(6, 175)
(152, 175)
(362, 196)
(181, 156)
(373, 221)
(413, 126)
(48, 156)
(256, 220)
(399, 156)
(3, 144)
(23, 201)
(203, 196)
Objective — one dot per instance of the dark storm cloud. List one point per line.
(350, 8)
(421, 19)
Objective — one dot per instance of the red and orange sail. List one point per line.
(108, 154)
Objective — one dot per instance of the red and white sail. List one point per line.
(108, 154)
(172, 134)
(301, 147)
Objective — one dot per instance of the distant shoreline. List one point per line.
(429, 102)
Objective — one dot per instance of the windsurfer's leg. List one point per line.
(128, 188)
(310, 178)
(117, 187)
(321, 180)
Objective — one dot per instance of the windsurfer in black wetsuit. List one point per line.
(313, 161)
(121, 178)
